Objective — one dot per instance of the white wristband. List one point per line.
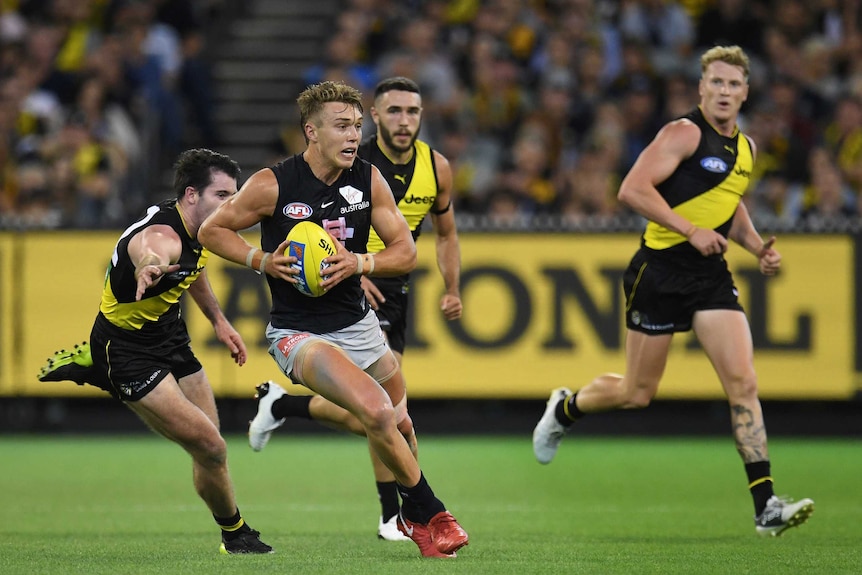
(262, 267)
(250, 257)
(359, 264)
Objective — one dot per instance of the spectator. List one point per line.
(843, 138)
(662, 25)
(828, 197)
(732, 22)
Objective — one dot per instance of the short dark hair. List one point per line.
(195, 168)
(396, 83)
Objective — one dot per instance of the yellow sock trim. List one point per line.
(759, 481)
(233, 527)
(566, 406)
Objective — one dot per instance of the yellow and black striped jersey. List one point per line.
(706, 188)
(414, 184)
(155, 315)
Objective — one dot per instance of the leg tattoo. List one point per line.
(749, 433)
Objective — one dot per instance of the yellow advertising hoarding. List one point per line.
(540, 311)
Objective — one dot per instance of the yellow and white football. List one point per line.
(310, 244)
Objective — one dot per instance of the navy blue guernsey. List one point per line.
(344, 210)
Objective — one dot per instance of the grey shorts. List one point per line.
(363, 342)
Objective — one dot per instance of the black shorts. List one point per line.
(662, 296)
(129, 367)
(393, 313)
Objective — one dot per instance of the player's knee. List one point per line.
(741, 388)
(377, 417)
(638, 397)
(211, 450)
(639, 401)
(405, 424)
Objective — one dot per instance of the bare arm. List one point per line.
(154, 252)
(399, 255)
(220, 231)
(201, 291)
(742, 231)
(674, 143)
(447, 245)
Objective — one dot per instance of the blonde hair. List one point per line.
(733, 55)
(312, 99)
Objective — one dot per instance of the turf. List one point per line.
(125, 505)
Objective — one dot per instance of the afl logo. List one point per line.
(713, 164)
(297, 211)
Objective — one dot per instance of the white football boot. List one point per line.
(261, 427)
(780, 514)
(549, 432)
(388, 531)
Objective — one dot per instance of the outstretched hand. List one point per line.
(149, 275)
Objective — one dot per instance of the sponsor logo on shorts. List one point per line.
(642, 321)
(132, 387)
(286, 345)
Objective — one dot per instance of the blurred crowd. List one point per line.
(94, 96)
(543, 105)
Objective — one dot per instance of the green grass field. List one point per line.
(126, 505)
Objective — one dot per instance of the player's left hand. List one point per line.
(341, 266)
(372, 293)
(769, 258)
(451, 306)
(233, 340)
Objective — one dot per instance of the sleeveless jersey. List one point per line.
(157, 315)
(705, 189)
(344, 210)
(414, 184)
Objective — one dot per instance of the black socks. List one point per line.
(419, 503)
(232, 527)
(291, 406)
(388, 493)
(759, 483)
(567, 411)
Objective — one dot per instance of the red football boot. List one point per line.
(421, 536)
(446, 534)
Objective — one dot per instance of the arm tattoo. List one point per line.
(749, 433)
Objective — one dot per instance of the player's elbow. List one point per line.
(410, 258)
(626, 194)
(205, 233)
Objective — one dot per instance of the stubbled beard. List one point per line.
(389, 140)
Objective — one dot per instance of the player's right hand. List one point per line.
(149, 275)
(281, 265)
(708, 242)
